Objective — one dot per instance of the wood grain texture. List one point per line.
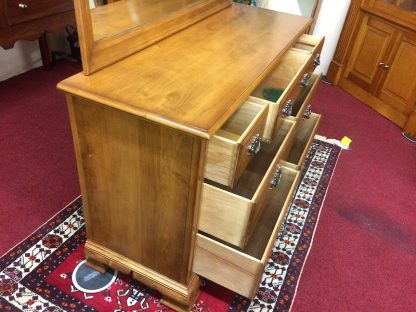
(241, 271)
(137, 179)
(227, 155)
(176, 82)
(398, 88)
(374, 102)
(101, 53)
(33, 29)
(305, 133)
(372, 47)
(232, 214)
(120, 16)
(175, 295)
(287, 75)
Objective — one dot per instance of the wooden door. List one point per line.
(368, 56)
(398, 86)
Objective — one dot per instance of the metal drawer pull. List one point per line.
(22, 6)
(381, 64)
(317, 60)
(255, 145)
(277, 177)
(287, 109)
(386, 66)
(308, 111)
(305, 81)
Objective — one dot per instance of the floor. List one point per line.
(364, 249)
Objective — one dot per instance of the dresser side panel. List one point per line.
(140, 186)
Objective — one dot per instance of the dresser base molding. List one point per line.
(174, 295)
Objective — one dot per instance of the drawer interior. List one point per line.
(303, 140)
(274, 85)
(240, 122)
(230, 214)
(241, 270)
(308, 43)
(255, 171)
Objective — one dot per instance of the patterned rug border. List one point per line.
(285, 295)
(338, 151)
(42, 229)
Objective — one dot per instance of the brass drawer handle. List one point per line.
(287, 109)
(317, 60)
(305, 81)
(254, 147)
(308, 112)
(22, 6)
(277, 177)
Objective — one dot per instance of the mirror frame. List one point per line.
(99, 54)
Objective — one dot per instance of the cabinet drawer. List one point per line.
(303, 138)
(25, 10)
(231, 214)
(239, 270)
(301, 107)
(287, 81)
(232, 148)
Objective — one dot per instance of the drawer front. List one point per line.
(20, 11)
(302, 108)
(232, 148)
(305, 133)
(232, 215)
(239, 270)
(290, 77)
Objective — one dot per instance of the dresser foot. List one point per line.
(95, 265)
(180, 303)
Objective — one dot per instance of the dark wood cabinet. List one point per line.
(30, 19)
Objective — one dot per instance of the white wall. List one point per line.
(329, 24)
(25, 55)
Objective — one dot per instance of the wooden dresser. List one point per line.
(30, 19)
(190, 150)
(376, 58)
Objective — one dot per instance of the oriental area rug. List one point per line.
(36, 275)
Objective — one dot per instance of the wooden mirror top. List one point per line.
(195, 79)
(120, 16)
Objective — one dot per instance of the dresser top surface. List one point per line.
(195, 79)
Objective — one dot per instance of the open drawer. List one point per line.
(283, 85)
(231, 214)
(303, 138)
(241, 271)
(232, 148)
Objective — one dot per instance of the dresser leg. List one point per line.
(44, 51)
(95, 265)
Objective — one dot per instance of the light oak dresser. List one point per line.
(189, 150)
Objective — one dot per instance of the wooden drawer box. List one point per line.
(238, 270)
(286, 82)
(232, 214)
(233, 146)
(20, 11)
(301, 107)
(303, 138)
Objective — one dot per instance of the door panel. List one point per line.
(371, 48)
(399, 86)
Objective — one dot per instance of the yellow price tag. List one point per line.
(346, 141)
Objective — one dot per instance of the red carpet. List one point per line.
(364, 249)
